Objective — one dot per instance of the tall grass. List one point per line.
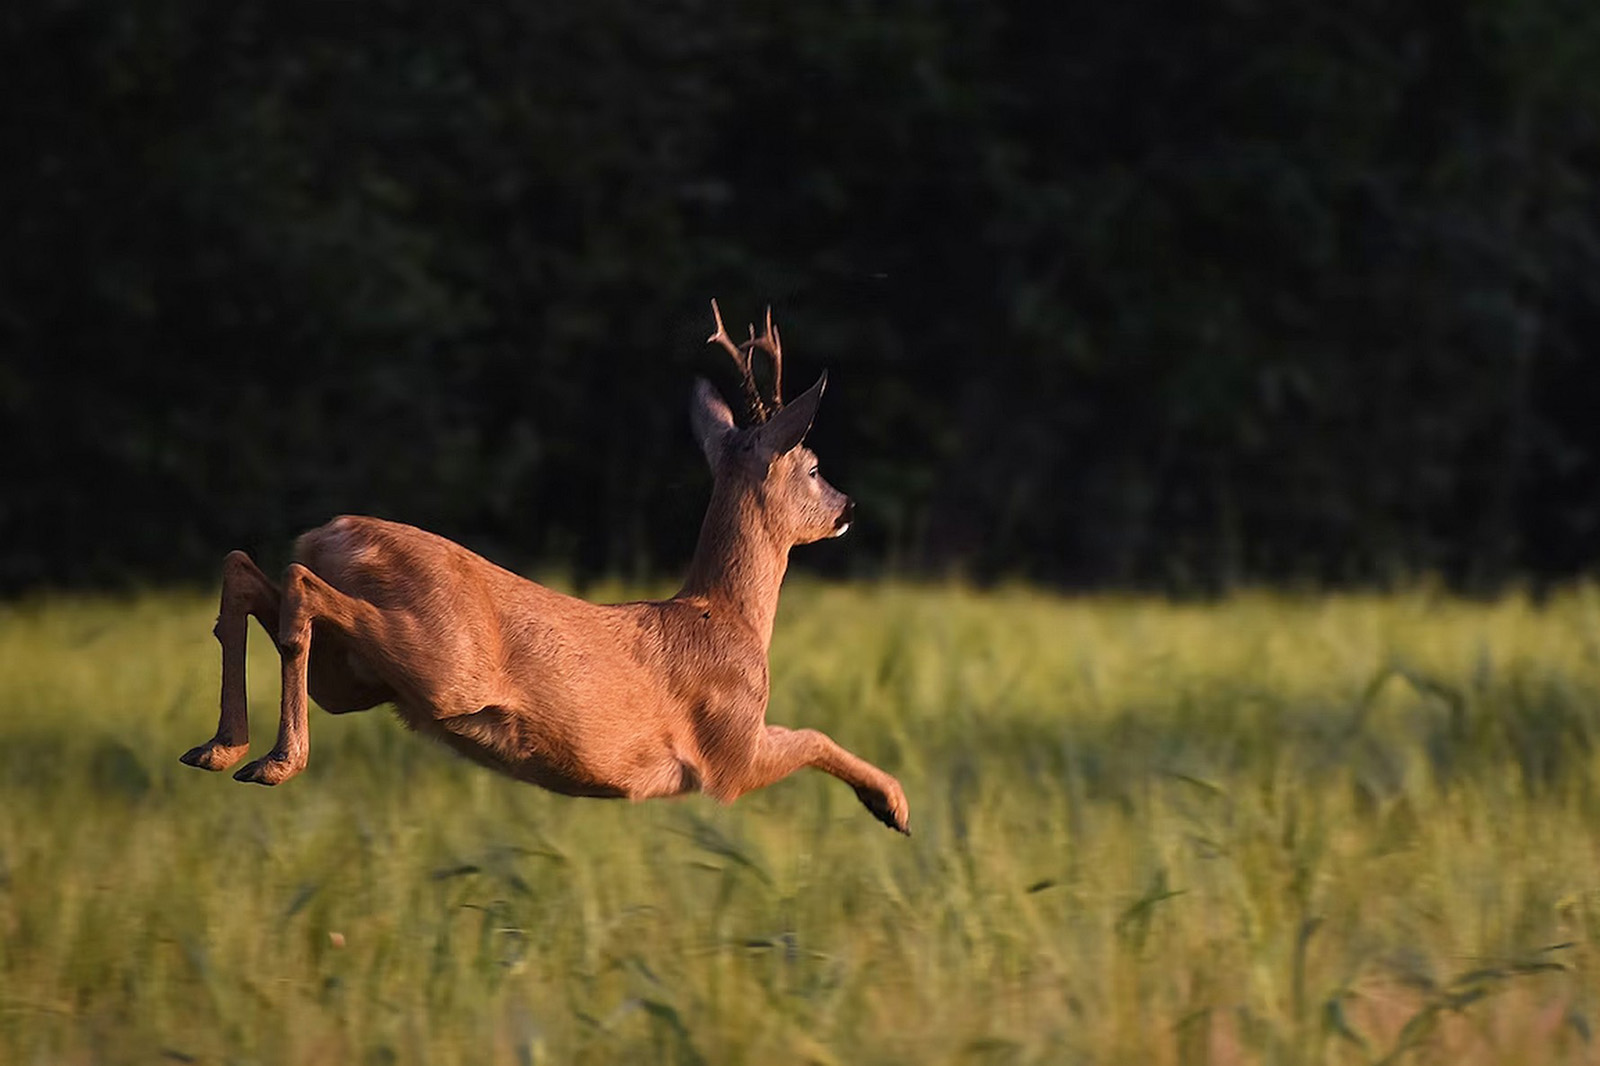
(1275, 830)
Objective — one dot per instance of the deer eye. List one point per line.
(812, 472)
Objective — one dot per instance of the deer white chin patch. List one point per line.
(841, 531)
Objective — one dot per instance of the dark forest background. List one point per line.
(1113, 294)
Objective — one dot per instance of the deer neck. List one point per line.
(739, 562)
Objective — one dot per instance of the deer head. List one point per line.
(766, 457)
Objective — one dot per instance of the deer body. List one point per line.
(582, 699)
(634, 700)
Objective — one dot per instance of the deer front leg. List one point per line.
(306, 599)
(246, 591)
(781, 752)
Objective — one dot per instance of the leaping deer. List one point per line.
(633, 699)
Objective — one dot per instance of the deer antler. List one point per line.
(721, 337)
(770, 343)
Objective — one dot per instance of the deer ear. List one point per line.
(711, 419)
(786, 429)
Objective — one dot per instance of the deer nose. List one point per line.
(842, 523)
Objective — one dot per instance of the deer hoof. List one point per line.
(272, 769)
(213, 756)
(886, 808)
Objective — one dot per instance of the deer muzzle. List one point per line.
(841, 525)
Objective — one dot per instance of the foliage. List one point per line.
(1272, 829)
(1149, 294)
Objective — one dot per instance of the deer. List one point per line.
(631, 700)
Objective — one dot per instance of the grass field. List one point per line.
(1275, 830)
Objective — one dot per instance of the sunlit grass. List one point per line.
(1276, 829)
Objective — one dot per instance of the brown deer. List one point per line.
(633, 699)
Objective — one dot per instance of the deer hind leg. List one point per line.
(337, 678)
(311, 603)
(246, 591)
(780, 752)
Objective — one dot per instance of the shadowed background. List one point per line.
(1112, 295)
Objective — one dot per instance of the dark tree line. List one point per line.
(1111, 293)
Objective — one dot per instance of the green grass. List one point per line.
(1276, 830)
